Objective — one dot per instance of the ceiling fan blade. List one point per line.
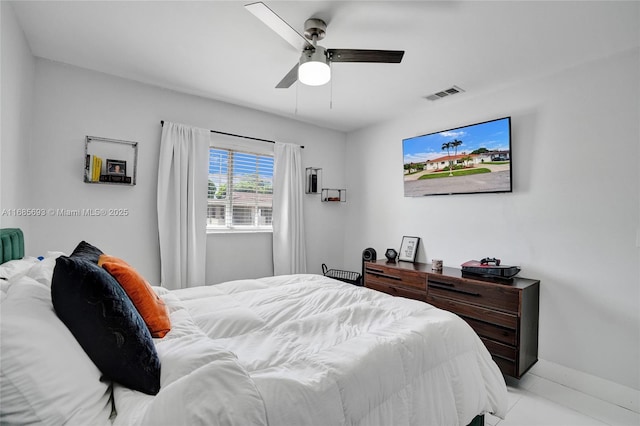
(289, 79)
(363, 55)
(279, 25)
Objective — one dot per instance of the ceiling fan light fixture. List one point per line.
(314, 69)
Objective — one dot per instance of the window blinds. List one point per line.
(240, 190)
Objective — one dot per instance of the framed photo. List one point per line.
(116, 167)
(409, 249)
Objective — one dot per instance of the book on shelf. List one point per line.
(93, 166)
(96, 169)
(88, 168)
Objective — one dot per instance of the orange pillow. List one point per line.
(111, 259)
(150, 306)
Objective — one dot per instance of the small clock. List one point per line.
(391, 255)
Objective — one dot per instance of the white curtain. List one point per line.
(182, 205)
(289, 253)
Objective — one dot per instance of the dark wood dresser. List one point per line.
(503, 314)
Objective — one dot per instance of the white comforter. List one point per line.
(309, 350)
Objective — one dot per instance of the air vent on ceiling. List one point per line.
(453, 90)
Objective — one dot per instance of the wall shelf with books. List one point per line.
(110, 161)
(333, 195)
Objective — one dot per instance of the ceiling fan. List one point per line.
(313, 67)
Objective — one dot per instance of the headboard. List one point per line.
(12, 246)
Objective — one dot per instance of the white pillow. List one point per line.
(13, 268)
(43, 271)
(45, 376)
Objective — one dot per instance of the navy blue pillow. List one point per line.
(87, 251)
(100, 315)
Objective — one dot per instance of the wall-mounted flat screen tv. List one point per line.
(465, 160)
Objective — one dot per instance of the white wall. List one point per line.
(571, 221)
(71, 102)
(16, 94)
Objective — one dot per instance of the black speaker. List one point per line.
(369, 255)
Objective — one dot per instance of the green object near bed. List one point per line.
(477, 420)
(12, 246)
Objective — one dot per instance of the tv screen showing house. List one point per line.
(464, 160)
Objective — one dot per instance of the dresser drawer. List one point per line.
(488, 295)
(500, 350)
(490, 331)
(395, 276)
(506, 366)
(473, 311)
(396, 290)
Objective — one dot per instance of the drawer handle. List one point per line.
(378, 273)
(449, 287)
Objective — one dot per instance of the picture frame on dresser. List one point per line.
(408, 249)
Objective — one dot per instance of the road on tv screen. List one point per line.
(486, 182)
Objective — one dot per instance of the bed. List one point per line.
(286, 350)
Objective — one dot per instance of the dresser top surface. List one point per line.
(515, 282)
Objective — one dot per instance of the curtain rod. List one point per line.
(237, 136)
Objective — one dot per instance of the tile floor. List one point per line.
(534, 401)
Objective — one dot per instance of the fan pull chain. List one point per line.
(331, 88)
(297, 86)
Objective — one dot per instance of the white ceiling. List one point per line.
(217, 49)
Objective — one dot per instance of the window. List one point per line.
(240, 190)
